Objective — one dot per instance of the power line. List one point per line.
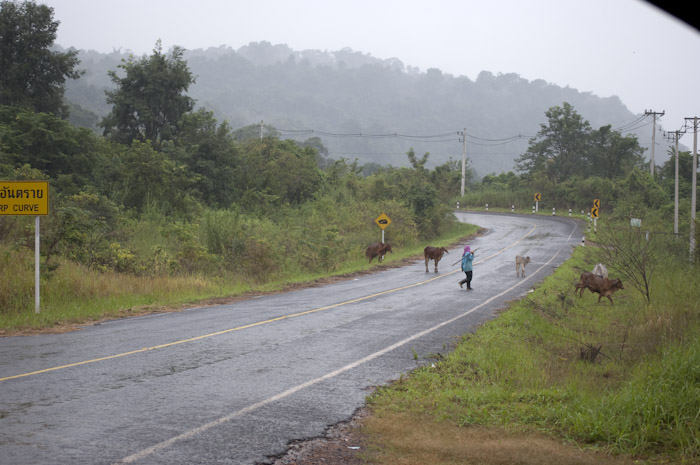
(432, 153)
(629, 125)
(442, 137)
(454, 136)
(369, 135)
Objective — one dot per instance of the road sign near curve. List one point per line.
(383, 220)
(24, 198)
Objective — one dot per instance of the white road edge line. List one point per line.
(193, 432)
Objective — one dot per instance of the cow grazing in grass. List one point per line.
(435, 254)
(520, 263)
(603, 286)
(377, 249)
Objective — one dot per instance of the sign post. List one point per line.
(27, 198)
(594, 214)
(538, 197)
(383, 221)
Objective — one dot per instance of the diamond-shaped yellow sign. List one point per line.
(383, 221)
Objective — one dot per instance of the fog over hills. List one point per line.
(370, 109)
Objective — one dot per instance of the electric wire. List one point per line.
(639, 122)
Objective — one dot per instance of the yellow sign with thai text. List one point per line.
(24, 198)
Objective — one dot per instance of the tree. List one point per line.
(611, 155)
(559, 147)
(667, 174)
(31, 75)
(47, 143)
(274, 171)
(634, 254)
(149, 100)
(210, 154)
(149, 178)
(416, 163)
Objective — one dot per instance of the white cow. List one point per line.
(520, 263)
(600, 270)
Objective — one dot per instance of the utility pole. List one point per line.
(675, 135)
(261, 129)
(653, 136)
(464, 157)
(693, 192)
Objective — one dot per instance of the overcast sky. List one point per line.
(627, 48)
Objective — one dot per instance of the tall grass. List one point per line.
(75, 294)
(269, 260)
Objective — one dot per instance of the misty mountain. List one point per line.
(369, 109)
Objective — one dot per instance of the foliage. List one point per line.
(567, 146)
(274, 172)
(78, 226)
(639, 194)
(32, 75)
(610, 155)
(46, 143)
(667, 174)
(148, 177)
(148, 101)
(212, 158)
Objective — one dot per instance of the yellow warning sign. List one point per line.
(383, 221)
(24, 198)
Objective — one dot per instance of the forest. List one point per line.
(159, 185)
(368, 109)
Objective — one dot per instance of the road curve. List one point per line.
(234, 384)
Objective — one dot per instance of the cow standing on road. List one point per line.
(520, 263)
(435, 254)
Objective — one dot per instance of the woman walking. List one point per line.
(467, 258)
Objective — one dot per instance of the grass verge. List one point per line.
(617, 383)
(75, 295)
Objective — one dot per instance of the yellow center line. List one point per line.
(259, 323)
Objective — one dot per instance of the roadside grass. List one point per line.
(72, 294)
(620, 379)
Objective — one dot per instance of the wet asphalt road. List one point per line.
(234, 384)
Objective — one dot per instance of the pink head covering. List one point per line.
(467, 249)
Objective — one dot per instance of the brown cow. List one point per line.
(603, 286)
(435, 254)
(377, 250)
